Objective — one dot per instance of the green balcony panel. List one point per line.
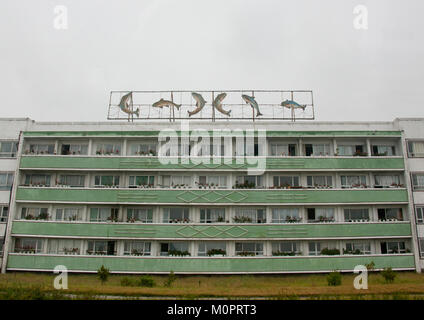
(122, 163)
(186, 196)
(206, 265)
(186, 231)
(269, 133)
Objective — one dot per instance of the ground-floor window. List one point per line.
(174, 249)
(286, 248)
(393, 247)
(28, 245)
(64, 246)
(357, 248)
(101, 247)
(211, 248)
(249, 249)
(137, 248)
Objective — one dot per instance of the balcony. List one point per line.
(219, 231)
(195, 196)
(207, 265)
(271, 163)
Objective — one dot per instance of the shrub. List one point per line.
(103, 274)
(370, 266)
(388, 274)
(146, 281)
(170, 280)
(334, 278)
(127, 282)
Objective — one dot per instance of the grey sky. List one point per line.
(48, 74)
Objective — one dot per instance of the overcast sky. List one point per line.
(62, 75)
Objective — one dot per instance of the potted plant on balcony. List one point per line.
(246, 254)
(216, 252)
(330, 252)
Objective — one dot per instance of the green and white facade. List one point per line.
(333, 195)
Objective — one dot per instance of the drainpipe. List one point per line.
(12, 205)
(411, 207)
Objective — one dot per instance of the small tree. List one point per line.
(170, 280)
(334, 278)
(388, 274)
(370, 266)
(103, 274)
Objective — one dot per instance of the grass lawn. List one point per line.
(408, 285)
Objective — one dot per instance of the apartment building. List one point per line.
(267, 197)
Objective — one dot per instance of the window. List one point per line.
(357, 248)
(390, 214)
(353, 181)
(211, 248)
(249, 215)
(8, 149)
(37, 180)
(146, 181)
(283, 149)
(317, 150)
(248, 182)
(74, 149)
(72, 180)
(137, 248)
(34, 214)
(286, 181)
(286, 248)
(104, 214)
(143, 149)
(108, 148)
(421, 243)
(170, 149)
(106, 181)
(350, 150)
(320, 214)
(356, 214)
(171, 215)
(6, 180)
(174, 249)
(140, 215)
(383, 150)
(41, 149)
(64, 246)
(322, 248)
(171, 181)
(212, 150)
(28, 245)
(393, 247)
(101, 247)
(218, 181)
(387, 181)
(420, 214)
(4, 212)
(416, 149)
(249, 249)
(68, 214)
(319, 181)
(418, 181)
(212, 215)
(285, 215)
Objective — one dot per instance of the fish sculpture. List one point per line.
(124, 104)
(165, 103)
(250, 100)
(292, 105)
(217, 103)
(200, 103)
